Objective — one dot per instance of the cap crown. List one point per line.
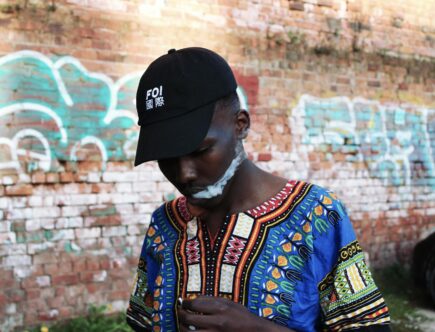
(182, 81)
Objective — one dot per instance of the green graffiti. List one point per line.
(393, 141)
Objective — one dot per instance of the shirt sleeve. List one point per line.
(349, 298)
(139, 311)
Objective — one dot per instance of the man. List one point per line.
(242, 249)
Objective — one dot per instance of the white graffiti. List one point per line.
(115, 112)
(19, 107)
(44, 159)
(89, 140)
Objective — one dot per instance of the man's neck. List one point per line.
(249, 187)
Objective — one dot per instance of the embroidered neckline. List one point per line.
(260, 210)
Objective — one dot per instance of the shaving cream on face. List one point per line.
(216, 189)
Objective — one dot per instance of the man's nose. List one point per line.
(187, 170)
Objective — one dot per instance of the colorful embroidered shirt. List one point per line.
(294, 260)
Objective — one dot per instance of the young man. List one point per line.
(242, 249)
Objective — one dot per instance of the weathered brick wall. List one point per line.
(341, 93)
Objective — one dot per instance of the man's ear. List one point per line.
(243, 122)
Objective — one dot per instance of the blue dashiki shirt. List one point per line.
(293, 260)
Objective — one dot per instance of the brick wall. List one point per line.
(341, 93)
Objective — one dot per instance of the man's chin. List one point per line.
(200, 206)
(196, 206)
(200, 202)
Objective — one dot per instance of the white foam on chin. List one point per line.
(216, 189)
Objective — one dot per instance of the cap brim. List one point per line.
(174, 137)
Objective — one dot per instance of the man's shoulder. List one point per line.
(311, 187)
(313, 194)
(318, 190)
(161, 208)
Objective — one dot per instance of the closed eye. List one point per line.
(202, 150)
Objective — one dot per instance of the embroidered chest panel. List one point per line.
(244, 243)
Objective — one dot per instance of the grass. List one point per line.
(95, 321)
(402, 297)
(395, 283)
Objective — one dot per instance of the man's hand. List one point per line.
(214, 314)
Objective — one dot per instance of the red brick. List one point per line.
(325, 3)
(3, 301)
(51, 268)
(46, 316)
(264, 156)
(32, 294)
(374, 84)
(89, 166)
(87, 276)
(102, 187)
(118, 295)
(52, 177)
(79, 265)
(66, 177)
(59, 291)
(19, 190)
(105, 221)
(65, 279)
(56, 302)
(93, 288)
(343, 80)
(29, 282)
(92, 264)
(105, 263)
(297, 5)
(373, 67)
(403, 86)
(7, 279)
(38, 177)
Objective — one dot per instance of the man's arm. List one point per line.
(349, 297)
(138, 314)
(139, 310)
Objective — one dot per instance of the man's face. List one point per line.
(194, 174)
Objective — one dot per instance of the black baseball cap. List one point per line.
(175, 101)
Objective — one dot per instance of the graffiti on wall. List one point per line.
(51, 109)
(393, 141)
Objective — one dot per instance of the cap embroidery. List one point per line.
(154, 98)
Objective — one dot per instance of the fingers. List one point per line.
(207, 305)
(191, 321)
